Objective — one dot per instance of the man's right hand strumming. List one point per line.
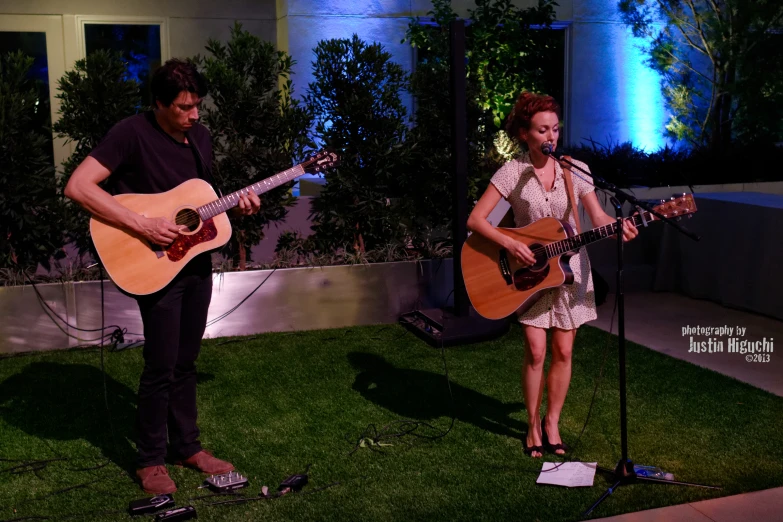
(159, 231)
(83, 188)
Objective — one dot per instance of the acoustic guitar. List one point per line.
(140, 267)
(498, 285)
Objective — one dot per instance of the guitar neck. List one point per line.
(591, 236)
(230, 201)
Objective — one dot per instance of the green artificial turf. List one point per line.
(275, 403)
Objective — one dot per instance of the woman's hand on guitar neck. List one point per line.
(521, 252)
(629, 230)
(159, 231)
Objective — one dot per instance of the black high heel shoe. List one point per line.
(530, 449)
(552, 448)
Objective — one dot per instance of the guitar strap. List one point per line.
(569, 182)
(201, 165)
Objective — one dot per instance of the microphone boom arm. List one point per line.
(619, 194)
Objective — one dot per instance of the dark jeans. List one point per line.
(174, 322)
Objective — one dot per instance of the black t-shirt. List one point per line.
(145, 159)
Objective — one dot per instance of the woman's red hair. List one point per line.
(528, 104)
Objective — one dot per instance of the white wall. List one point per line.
(188, 36)
(612, 95)
(310, 21)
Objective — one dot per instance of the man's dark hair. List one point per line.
(176, 76)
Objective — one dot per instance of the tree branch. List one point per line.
(689, 67)
(700, 30)
(685, 35)
(693, 44)
(772, 23)
(709, 110)
(716, 8)
(686, 22)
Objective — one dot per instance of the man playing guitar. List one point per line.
(150, 153)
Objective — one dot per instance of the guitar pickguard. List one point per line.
(526, 279)
(182, 245)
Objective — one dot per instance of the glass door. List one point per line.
(41, 37)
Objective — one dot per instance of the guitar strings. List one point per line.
(542, 250)
(193, 221)
(191, 218)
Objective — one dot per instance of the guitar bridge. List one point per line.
(157, 249)
(505, 267)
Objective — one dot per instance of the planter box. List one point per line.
(288, 300)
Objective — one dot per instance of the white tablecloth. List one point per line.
(739, 260)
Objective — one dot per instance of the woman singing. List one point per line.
(534, 186)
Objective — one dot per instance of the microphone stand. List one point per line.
(624, 473)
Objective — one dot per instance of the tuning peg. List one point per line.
(663, 201)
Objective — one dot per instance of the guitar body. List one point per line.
(498, 285)
(140, 268)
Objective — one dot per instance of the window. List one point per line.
(143, 43)
(41, 37)
(33, 44)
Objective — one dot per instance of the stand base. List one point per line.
(441, 327)
(624, 475)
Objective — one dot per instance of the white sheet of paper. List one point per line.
(568, 474)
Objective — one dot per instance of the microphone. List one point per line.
(547, 148)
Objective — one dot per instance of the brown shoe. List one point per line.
(206, 463)
(155, 480)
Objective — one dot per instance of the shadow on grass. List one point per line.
(202, 377)
(423, 395)
(65, 402)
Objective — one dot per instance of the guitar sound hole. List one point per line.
(189, 218)
(541, 259)
(530, 277)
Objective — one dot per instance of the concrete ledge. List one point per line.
(282, 300)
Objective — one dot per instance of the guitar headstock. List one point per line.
(677, 207)
(321, 161)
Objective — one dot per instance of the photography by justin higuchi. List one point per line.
(728, 339)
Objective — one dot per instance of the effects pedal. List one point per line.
(226, 481)
(183, 513)
(293, 483)
(149, 505)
